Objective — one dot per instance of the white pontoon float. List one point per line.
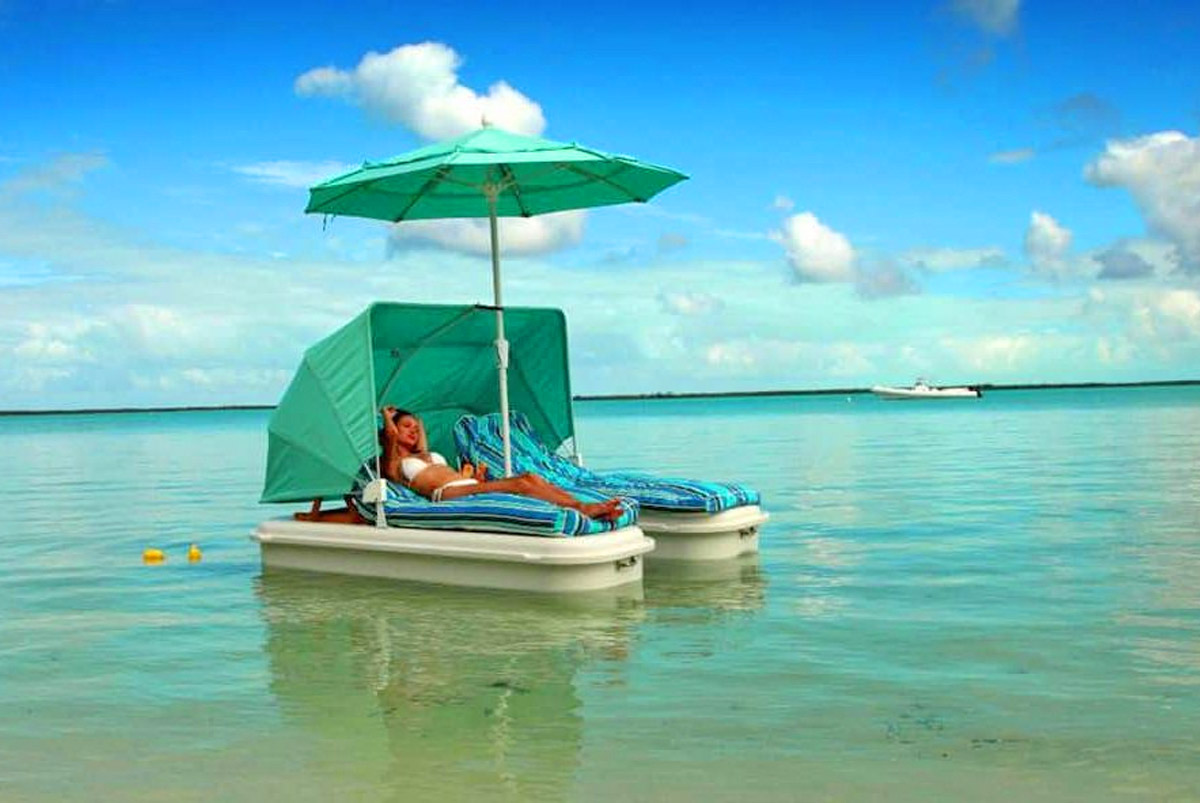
(481, 559)
(703, 536)
(436, 360)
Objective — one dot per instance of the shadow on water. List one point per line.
(415, 692)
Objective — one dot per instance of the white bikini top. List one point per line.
(410, 467)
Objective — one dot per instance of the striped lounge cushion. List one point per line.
(492, 512)
(479, 440)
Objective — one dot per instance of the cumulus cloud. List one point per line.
(1169, 315)
(293, 174)
(44, 344)
(532, 235)
(1162, 173)
(1046, 245)
(417, 86)
(994, 17)
(816, 252)
(1143, 325)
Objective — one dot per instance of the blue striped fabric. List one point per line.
(492, 512)
(479, 440)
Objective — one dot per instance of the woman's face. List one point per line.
(410, 432)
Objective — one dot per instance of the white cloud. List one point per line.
(1169, 315)
(683, 303)
(44, 344)
(1012, 157)
(736, 355)
(1114, 350)
(518, 236)
(816, 252)
(121, 320)
(293, 174)
(885, 280)
(1162, 173)
(939, 260)
(417, 86)
(1142, 325)
(994, 353)
(838, 360)
(58, 176)
(734, 234)
(996, 17)
(783, 203)
(227, 378)
(1046, 245)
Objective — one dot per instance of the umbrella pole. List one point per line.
(501, 343)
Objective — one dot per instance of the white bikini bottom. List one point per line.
(437, 493)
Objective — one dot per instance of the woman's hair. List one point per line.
(423, 446)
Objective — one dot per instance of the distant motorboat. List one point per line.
(923, 390)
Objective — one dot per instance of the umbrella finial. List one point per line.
(484, 122)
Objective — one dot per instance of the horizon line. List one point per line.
(629, 396)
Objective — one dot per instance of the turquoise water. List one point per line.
(975, 600)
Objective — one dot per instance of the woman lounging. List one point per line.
(408, 461)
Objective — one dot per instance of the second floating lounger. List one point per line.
(688, 519)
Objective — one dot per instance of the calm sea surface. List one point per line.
(981, 600)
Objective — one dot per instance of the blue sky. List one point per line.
(975, 190)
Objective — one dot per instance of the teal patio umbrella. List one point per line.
(490, 173)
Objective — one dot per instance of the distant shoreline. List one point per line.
(665, 395)
(852, 391)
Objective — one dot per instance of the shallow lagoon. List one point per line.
(969, 599)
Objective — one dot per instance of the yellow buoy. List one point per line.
(153, 556)
(193, 553)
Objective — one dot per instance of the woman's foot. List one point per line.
(609, 510)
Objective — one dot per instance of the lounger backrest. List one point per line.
(479, 440)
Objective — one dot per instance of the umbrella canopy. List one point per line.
(434, 359)
(490, 173)
(527, 175)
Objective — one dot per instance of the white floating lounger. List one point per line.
(454, 557)
(688, 519)
(703, 536)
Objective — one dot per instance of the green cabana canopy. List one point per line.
(438, 361)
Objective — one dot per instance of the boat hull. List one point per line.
(450, 557)
(925, 393)
(703, 536)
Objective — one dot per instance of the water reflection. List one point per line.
(738, 584)
(419, 693)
